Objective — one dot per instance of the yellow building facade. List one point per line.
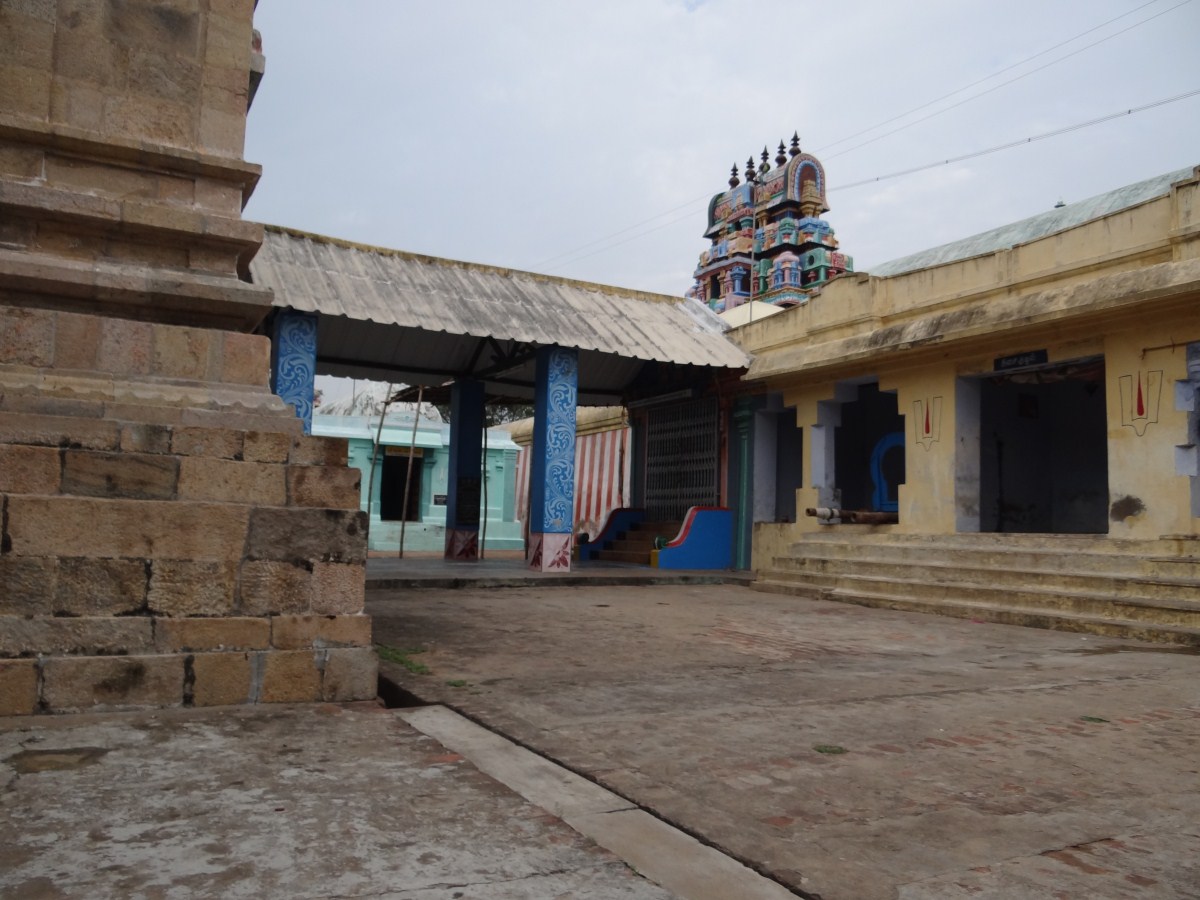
(1029, 386)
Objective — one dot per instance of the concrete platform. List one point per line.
(508, 569)
(273, 802)
(851, 753)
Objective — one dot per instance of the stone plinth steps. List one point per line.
(1148, 590)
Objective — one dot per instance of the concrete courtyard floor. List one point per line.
(282, 802)
(849, 753)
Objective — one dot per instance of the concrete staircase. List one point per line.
(634, 546)
(1137, 589)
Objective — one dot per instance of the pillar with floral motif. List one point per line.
(465, 482)
(552, 460)
(294, 361)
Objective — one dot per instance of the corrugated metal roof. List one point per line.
(420, 319)
(1035, 227)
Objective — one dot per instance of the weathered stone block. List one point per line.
(167, 75)
(218, 261)
(199, 633)
(125, 347)
(291, 676)
(320, 632)
(222, 133)
(221, 443)
(29, 470)
(26, 336)
(144, 413)
(228, 44)
(84, 635)
(21, 161)
(324, 535)
(159, 529)
(319, 451)
(45, 404)
(25, 91)
(218, 196)
(77, 103)
(98, 178)
(77, 683)
(221, 679)
(145, 438)
(58, 431)
(324, 486)
(100, 586)
(28, 585)
(350, 674)
(245, 358)
(181, 352)
(230, 481)
(90, 473)
(338, 588)
(176, 191)
(274, 418)
(146, 117)
(18, 687)
(29, 40)
(76, 341)
(266, 446)
(273, 588)
(188, 587)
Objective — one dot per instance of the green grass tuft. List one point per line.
(402, 658)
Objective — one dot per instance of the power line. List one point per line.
(689, 203)
(997, 87)
(933, 165)
(1029, 140)
(998, 72)
(571, 253)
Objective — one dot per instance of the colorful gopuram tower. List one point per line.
(769, 242)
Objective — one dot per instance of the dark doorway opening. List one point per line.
(391, 487)
(869, 451)
(1043, 447)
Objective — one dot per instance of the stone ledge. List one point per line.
(157, 221)
(74, 684)
(302, 632)
(175, 296)
(71, 636)
(137, 155)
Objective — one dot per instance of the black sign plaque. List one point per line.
(1021, 360)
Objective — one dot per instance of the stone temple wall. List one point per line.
(167, 534)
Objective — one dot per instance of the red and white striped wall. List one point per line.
(602, 467)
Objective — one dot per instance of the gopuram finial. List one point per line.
(734, 181)
(750, 173)
(765, 167)
(780, 158)
(795, 148)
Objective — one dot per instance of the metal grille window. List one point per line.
(681, 458)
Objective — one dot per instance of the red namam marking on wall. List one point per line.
(1141, 404)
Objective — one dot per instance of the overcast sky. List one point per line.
(528, 134)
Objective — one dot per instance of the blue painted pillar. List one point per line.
(464, 480)
(552, 460)
(294, 361)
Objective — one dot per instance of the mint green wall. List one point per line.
(503, 531)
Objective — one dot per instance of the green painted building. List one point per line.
(406, 487)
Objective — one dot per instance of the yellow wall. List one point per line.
(1148, 498)
(1126, 286)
